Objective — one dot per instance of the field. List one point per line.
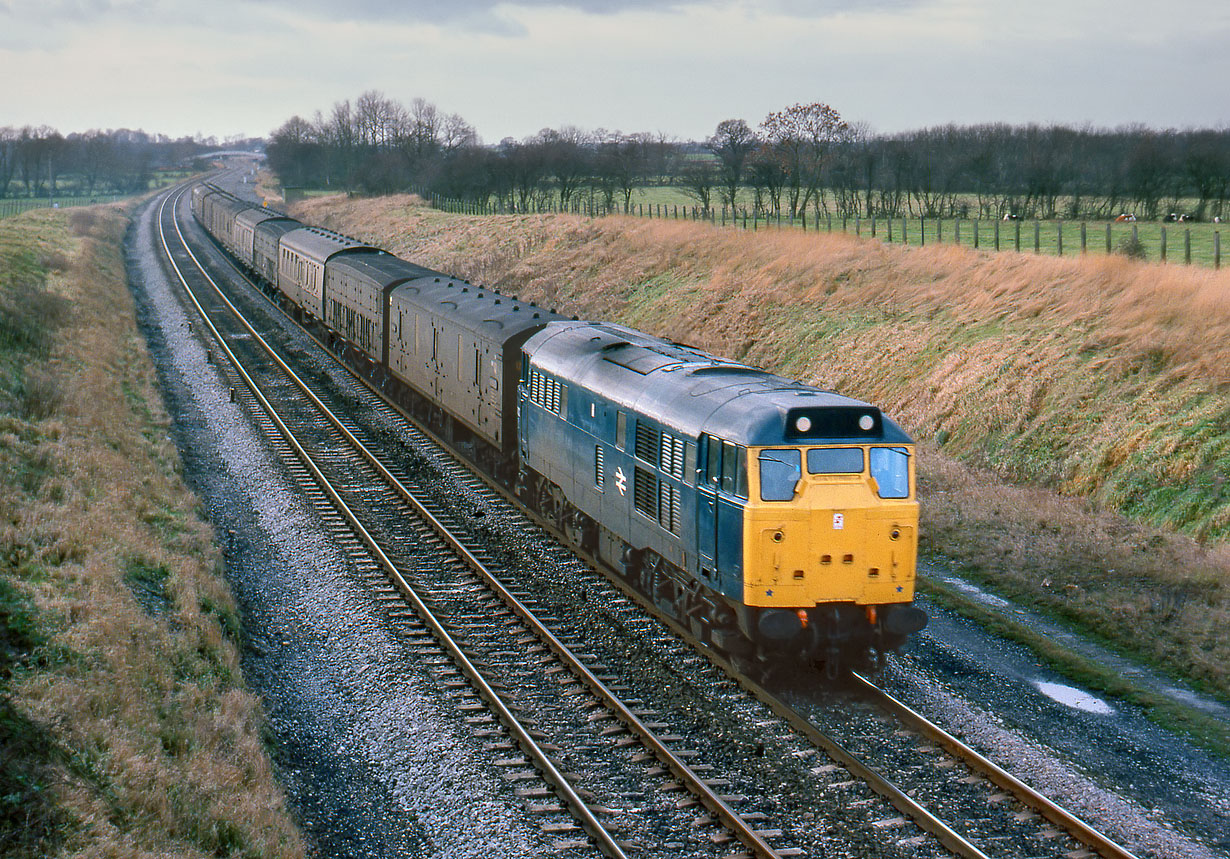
(1178, 243)
(1074, 413)
(124, 720)
(10, 206)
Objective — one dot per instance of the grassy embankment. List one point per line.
(1074, 413)
(124, 722)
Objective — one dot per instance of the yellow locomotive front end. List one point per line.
(830, 546)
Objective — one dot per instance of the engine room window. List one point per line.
(890, 466)
(835, 460)
(780, 472)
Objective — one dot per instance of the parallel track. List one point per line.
(929, 822)
(744, 831)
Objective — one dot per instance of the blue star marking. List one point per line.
(768, 593)
(900, 588)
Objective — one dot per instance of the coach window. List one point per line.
(621, 430)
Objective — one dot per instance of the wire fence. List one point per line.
(16, 205)
(1191, 244)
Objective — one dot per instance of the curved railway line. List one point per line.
(604, 763)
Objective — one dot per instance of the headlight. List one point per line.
(866, 422)
(803, 424)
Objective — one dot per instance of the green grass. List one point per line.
(11, 207)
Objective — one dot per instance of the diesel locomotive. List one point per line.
(774, 519)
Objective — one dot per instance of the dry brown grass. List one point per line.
(153, 744)
(1103, 378)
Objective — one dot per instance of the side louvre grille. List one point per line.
(599, 467)
(645, 493)
(672, 456)
(668, 507)
(646, 443)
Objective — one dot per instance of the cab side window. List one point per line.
(734, 469)
(713, 461)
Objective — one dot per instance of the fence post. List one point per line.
(1187, 246)
(830, 218)
(1217, 249)
(957, 232)
(858, 225)
(890, 231)
(1084, 245)
(873, 226)
(977, 229)
(723, 215)
(844, 218)
(939, 231)
(804, 220)
(1163, 244)
(1037, 236)
(1016, 228)
(904, 239)
(997, 234)
(1059, 241)
(922, 231)
(1108, 236)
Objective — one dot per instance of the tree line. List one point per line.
(42, 162)
(803, 158)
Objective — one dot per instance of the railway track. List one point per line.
(512, 660)
(509, 657)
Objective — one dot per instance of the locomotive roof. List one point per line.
(694, 392)
(319, 244)
(476, 308)
(380, 267)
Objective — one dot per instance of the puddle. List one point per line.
(976, 592)
(1070, 696)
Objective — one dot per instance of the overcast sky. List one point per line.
(227, 67)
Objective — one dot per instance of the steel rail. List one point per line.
(1051, 810)
(952, 840)
(543, 763)
(897, 797)
(678, 767)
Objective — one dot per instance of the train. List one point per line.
(776, 521)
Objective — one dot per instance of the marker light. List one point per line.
(866, 422)
(803, 424)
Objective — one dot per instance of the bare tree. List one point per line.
(800, 137)
(566, 155)
(8, 157)
(699, 180)
(732, 142)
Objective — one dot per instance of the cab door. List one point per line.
(708, 478)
